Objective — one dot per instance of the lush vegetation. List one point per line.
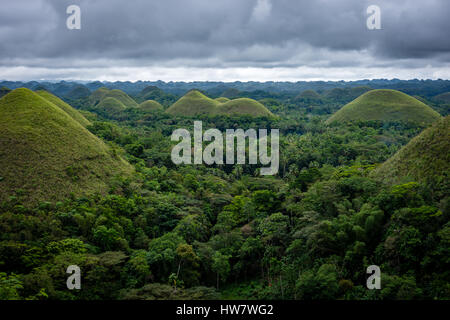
(223, 231)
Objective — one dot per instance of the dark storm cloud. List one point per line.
(224, 33)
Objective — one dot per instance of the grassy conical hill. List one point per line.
(103, 93)
(243, 106)
(64, 106)
(150, 106)
(193, 103)
(424, 158)
(385, 105)
(110, 105)
(45, 154)
(196, 103)
(222, 99)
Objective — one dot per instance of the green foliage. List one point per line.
(211, 232)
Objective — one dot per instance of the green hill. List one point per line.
(110, 106)
(156, 94)
(4, 91)
(222, 99)
(78, 92)
(385, 105)
(442, 98)
(45, 154)
(196, 103)
(150, 106)
(243, 106)
(345, 95)
(193, 103)
(103, 93)
(424, 158)
(64, 106)
(308, 96)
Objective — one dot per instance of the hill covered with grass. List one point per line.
(110, 106)
(46, 154)
(222, 99)
(64, 106)
(424, 158)
(243, 106)
(385, 105)
(103, 93)
(196, 103)
(150, 106)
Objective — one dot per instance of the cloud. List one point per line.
(261, 11)
(222, 35)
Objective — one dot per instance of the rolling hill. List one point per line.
(110, 106)
(345, 95)
(385, 105)
(424, 158)
(103, 93)
(78, 92)
(442, 98)
(193, 103)
(222, 99)
(150, 106)
(243, 106)
(45, 154)
(196, 103)
(308, 96)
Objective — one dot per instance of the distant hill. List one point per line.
(231, 93)
(385, 105)
(110, 107)
(308, 96)
(78, 92)
(196, 103)
(119, 95)
(45, 154)
(442, 98)
(156, 94)
(345, 95)
(4, 91)
(424, 158)
(150, 106)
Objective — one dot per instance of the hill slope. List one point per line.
(193, 103)
(150, 106)
(64, 106)
(442, 98)
(46, 155)
(103, 93)
(196, 103)
(424, 158)
(385, 105)
(243, 106)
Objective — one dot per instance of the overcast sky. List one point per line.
(224, 40)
